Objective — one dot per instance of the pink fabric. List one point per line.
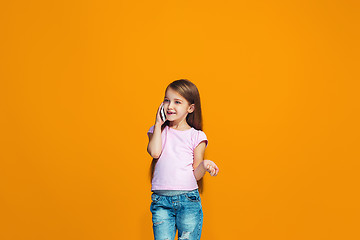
(174, 170)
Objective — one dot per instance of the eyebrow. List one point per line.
(175, 98)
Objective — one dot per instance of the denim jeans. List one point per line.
(182, 212)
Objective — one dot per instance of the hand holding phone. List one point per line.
(162, 114)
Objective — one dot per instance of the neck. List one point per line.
(179, 125)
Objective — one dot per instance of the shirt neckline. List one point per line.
(180, 130)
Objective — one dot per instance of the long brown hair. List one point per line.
(189, 91)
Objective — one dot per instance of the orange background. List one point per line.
(81, 82)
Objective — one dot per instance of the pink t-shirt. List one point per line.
(174, 168)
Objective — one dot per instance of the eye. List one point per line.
(166, 100)
(178, 102)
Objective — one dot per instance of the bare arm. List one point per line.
(202, 166)
(154, 147)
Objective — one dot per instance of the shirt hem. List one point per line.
(174, 188)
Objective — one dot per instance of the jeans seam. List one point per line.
(199, 227)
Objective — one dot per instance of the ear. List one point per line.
(191, 108)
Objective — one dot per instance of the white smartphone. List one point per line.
(162, 113)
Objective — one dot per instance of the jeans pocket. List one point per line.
(193, 197)
(155, 198)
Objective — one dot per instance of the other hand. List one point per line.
(211, 167)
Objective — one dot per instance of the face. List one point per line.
(176, 107)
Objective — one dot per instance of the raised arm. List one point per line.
(154, 147)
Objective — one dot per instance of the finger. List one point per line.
(214, 172)
(217, 169)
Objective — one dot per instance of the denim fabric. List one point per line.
(181, 212)
(170, 193)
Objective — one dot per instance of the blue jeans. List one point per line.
(182, 212)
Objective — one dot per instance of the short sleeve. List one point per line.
(199, 137)
(151, 130)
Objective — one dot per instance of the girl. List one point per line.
(177, 147)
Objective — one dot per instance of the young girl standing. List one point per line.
(177, 146)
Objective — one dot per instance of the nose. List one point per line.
(170, 106)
